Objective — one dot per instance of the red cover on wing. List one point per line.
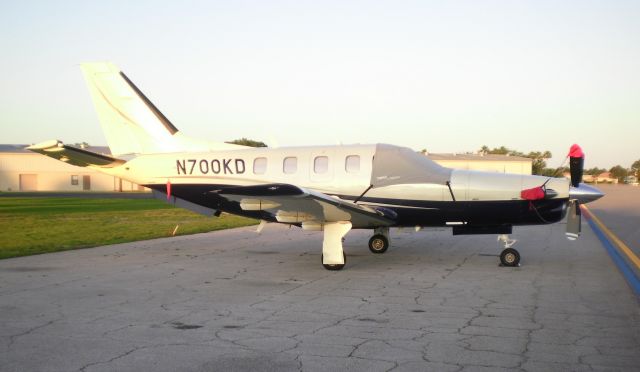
(576, 152)
(533, 194)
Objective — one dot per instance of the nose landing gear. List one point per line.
(509, 256)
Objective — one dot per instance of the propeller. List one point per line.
(576, 165)
(574, 220)
(576, 168)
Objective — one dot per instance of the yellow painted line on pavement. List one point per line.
(619, 243)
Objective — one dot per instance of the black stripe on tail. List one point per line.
(163, 119)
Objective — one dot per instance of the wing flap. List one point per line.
(293, 204)
(74, 155)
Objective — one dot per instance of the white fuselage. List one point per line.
(241, 168)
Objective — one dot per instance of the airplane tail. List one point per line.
(131, 123)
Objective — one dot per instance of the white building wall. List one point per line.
(516, 167)
(54, 175)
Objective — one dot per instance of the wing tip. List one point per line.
(45, 145)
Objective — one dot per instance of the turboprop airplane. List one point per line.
(325, 188)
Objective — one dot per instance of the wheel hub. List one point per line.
(378, 244)
(510, 257)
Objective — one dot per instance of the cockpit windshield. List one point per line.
(394, 165)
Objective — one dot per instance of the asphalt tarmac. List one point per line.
(619, 209)
(235, 300)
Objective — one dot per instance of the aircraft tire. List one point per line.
(378, 244)
(333, 267)
(510, 257)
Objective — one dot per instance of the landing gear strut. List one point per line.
(379, 242)
(333, 257)
(509, 256)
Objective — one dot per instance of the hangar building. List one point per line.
(23, 170)
(485, 162)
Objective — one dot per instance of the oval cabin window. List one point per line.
(290, 165)
(352, 164)
(260, 165)
(321, 164)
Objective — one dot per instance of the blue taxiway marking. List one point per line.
(623, 265)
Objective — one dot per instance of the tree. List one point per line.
(539, 158)
(82, 145)
(554, 172)
(500, 151)
(539, 161)
(618, 172)
(247, 142)
(550, 172)
(594, 171)
(636, 168)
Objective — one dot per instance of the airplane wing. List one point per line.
(293, 204)
(74, 155)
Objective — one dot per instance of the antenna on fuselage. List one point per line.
(451, 191)
(361, 195)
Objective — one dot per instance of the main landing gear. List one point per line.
(333, 257)
(335, 267)
(509, 256)
(379, 242)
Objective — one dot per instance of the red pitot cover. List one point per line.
(533, 194)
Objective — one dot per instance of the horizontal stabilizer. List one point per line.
(74, 155)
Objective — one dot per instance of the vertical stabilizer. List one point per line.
(131, 123)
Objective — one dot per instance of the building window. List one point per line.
(74, 180)
(352, 164)
(321, 164)
(260, 165)
(290, 165)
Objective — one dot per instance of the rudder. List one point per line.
(130, 121)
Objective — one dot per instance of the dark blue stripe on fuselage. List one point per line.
(410, 212)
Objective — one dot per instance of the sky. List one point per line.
(446, 76)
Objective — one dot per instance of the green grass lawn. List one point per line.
(39, 225)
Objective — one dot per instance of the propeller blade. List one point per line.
(574, 220)
(576, 164)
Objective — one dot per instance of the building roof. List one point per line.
(13, 149)
(477, 157)
(605, 175)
